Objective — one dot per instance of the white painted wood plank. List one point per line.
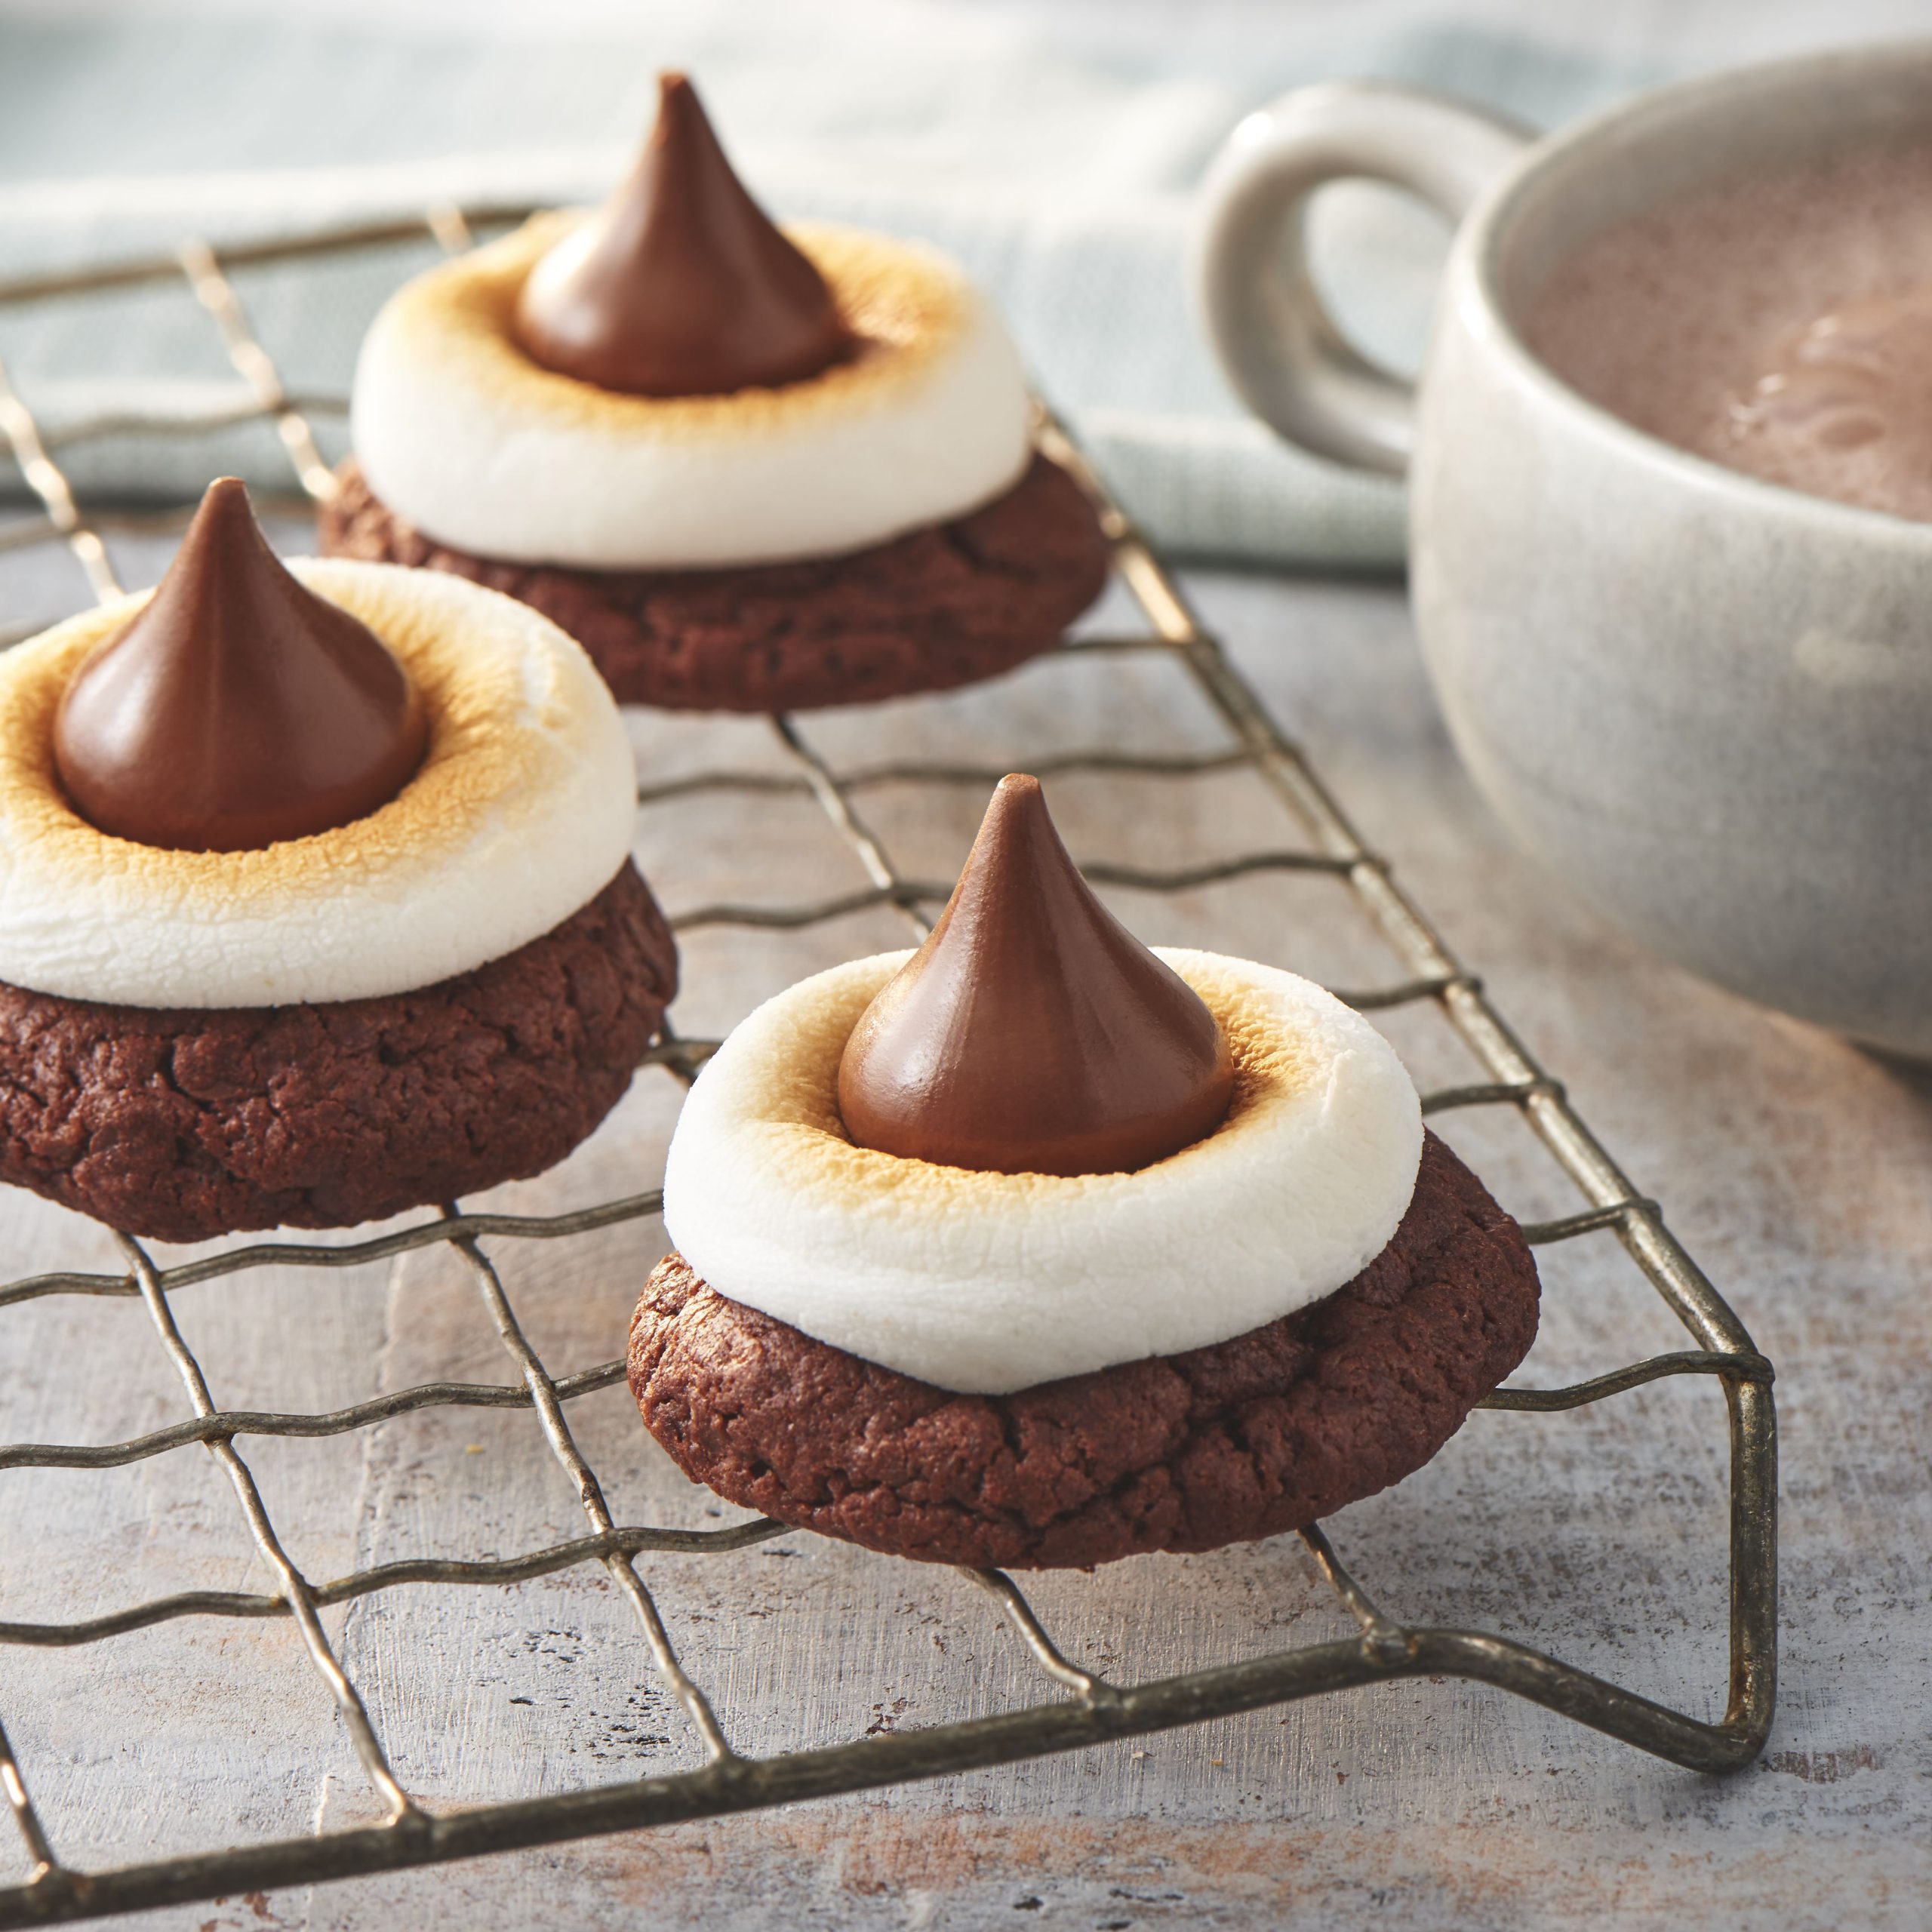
(1793, 1166)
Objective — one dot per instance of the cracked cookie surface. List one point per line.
(1249, 1438)
(942, 606)
(183, 1123)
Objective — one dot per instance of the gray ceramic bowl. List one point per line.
(1705, 701)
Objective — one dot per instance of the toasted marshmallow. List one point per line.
(462, 435)
(520, 813)
(986, 1283)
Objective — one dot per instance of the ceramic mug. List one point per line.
(1705, 701)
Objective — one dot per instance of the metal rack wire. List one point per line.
(1087, 1709)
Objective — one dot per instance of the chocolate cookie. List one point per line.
(1247, 1439)
(183, 1124)
(939, 607)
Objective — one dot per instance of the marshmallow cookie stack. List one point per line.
(746, 469)
(317, 896)
(1035, 1247)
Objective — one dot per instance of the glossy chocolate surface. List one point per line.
(1032, 1033)
(237, 708)
(680, 285)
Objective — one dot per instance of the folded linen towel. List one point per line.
(1053, 147)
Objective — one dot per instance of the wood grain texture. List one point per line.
(1795, 1168)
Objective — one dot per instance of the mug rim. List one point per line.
(1487, 232)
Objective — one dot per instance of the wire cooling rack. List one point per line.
(1080, 1709)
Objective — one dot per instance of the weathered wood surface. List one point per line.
(1795, 1166)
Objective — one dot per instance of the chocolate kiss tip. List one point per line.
(236, 708)
(1032, 1033)
(680, 285)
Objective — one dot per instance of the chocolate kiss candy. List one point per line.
(236, 708)
(679, 285)
(1032, 1033)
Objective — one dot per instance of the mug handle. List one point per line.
(1276, 341)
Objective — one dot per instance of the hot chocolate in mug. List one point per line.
(1703, 697)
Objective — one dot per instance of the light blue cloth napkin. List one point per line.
(1052, 145)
